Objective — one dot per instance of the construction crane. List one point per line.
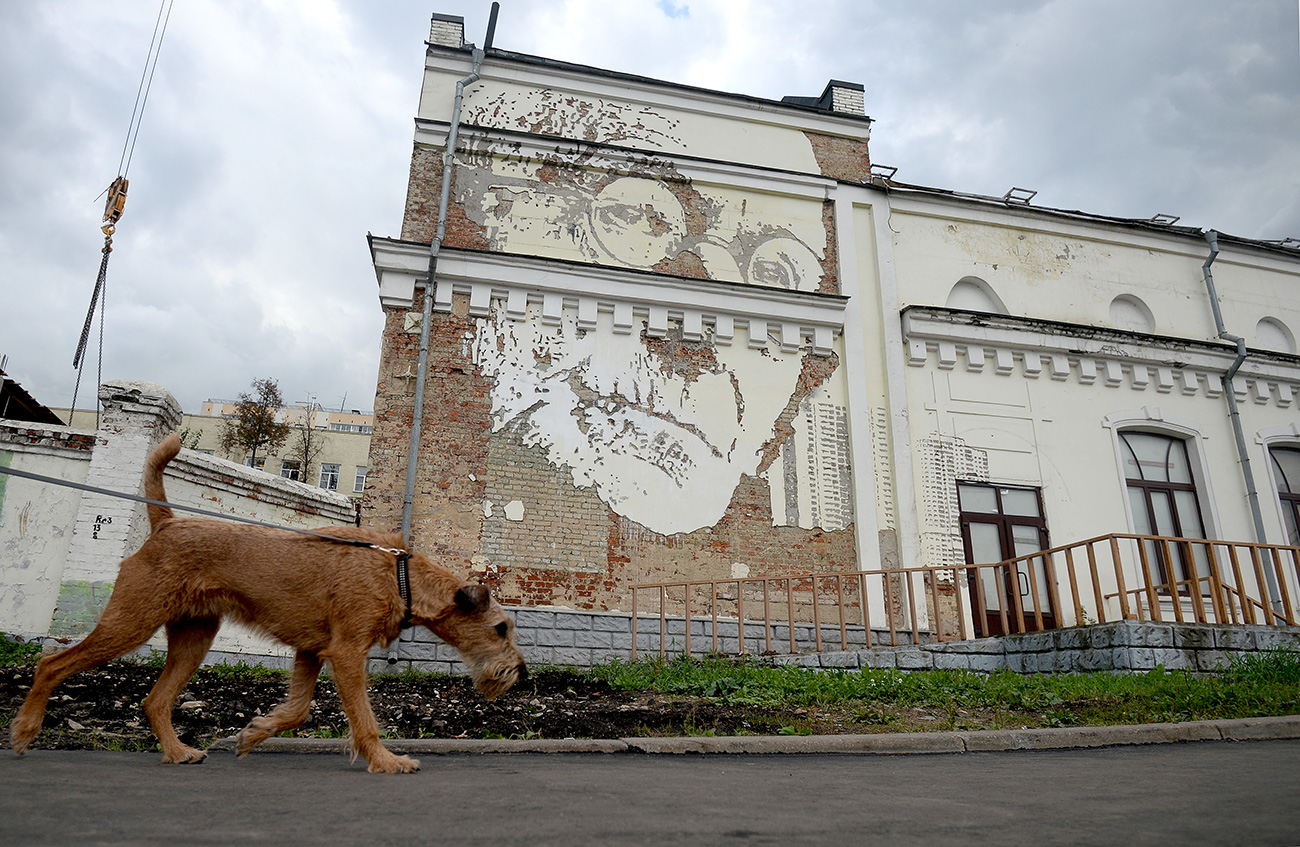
(115, 204)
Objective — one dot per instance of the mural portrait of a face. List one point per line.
(663, 448)
(637, 221)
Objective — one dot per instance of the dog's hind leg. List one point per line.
(188, 641)
(349, 664)
(293, 712)
(123, 627)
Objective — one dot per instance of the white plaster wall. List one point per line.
(1071, 272)
(521, 98)
(36, 522)
(1058, 435)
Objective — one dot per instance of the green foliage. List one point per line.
(1254, 686)
(243, 672)
(254, 428)
(14, 652)
(190, 438)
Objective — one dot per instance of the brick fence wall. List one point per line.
(582, 639)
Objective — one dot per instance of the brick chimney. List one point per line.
(447, 31)
(838, 96)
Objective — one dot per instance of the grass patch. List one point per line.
(1258, 685)
(244, 672)
(18, 652)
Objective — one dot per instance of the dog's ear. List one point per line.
(472, 598)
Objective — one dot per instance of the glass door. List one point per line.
(1000, 523)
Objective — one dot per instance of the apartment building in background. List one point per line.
(344, 438)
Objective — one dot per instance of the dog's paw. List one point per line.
(184, 756)
(394, 764)
(21, 735)
(249, 737)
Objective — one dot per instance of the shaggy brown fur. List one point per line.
(330, 601)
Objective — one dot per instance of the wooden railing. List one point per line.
(1112, 577)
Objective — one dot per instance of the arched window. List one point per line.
(972, 294)
(1272, 334)
(1162, 498)
(1286, 470)
(1129, 313)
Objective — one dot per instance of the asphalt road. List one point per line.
(1170, 794)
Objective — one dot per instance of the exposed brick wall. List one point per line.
(423, 191)
(830, 281)
(449, 490)
(555, 550)
(840, 158)
(38, 435)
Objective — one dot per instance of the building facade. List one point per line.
(339, 441)
(679, 334)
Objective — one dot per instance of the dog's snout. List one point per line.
(523, 672)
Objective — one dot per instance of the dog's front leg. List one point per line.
(349, 664)
(292, 713)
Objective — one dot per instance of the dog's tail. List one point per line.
(153, 479)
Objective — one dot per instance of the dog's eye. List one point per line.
(502, 629)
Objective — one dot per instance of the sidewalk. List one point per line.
(898, 743)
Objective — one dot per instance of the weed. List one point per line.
(243, 672)
(14, 652)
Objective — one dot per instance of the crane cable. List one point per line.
(116, 202)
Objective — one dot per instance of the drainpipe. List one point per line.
(1234, 415)
(448, 157)
(435, 246)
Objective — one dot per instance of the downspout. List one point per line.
(430, 285)
(1234, 415)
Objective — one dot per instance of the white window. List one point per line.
(329, 477)
(359, 481)
(291, 469)
(260, 464)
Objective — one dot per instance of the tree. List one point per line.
(190, 438)
(254, 427)
(306, 444)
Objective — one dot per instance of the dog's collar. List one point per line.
(403, 580)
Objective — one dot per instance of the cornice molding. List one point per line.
(1087, 356)
(793, 320)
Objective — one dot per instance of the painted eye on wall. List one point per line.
(784, 263)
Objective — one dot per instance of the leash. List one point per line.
(403, 556)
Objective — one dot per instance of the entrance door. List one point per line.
(1000, 523)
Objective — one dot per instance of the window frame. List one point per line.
(1006, 537)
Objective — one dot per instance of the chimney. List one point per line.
(838, 96)
(447, 31)
(847, 97)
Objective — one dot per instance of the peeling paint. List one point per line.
(546, 111)
(583, 208)
(663, 444)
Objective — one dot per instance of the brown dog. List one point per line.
(330, 601)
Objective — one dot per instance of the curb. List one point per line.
(893, 744)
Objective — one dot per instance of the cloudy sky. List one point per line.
(278, 134)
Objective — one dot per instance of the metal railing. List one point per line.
(1119, 576)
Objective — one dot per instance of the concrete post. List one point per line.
(137, 417)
